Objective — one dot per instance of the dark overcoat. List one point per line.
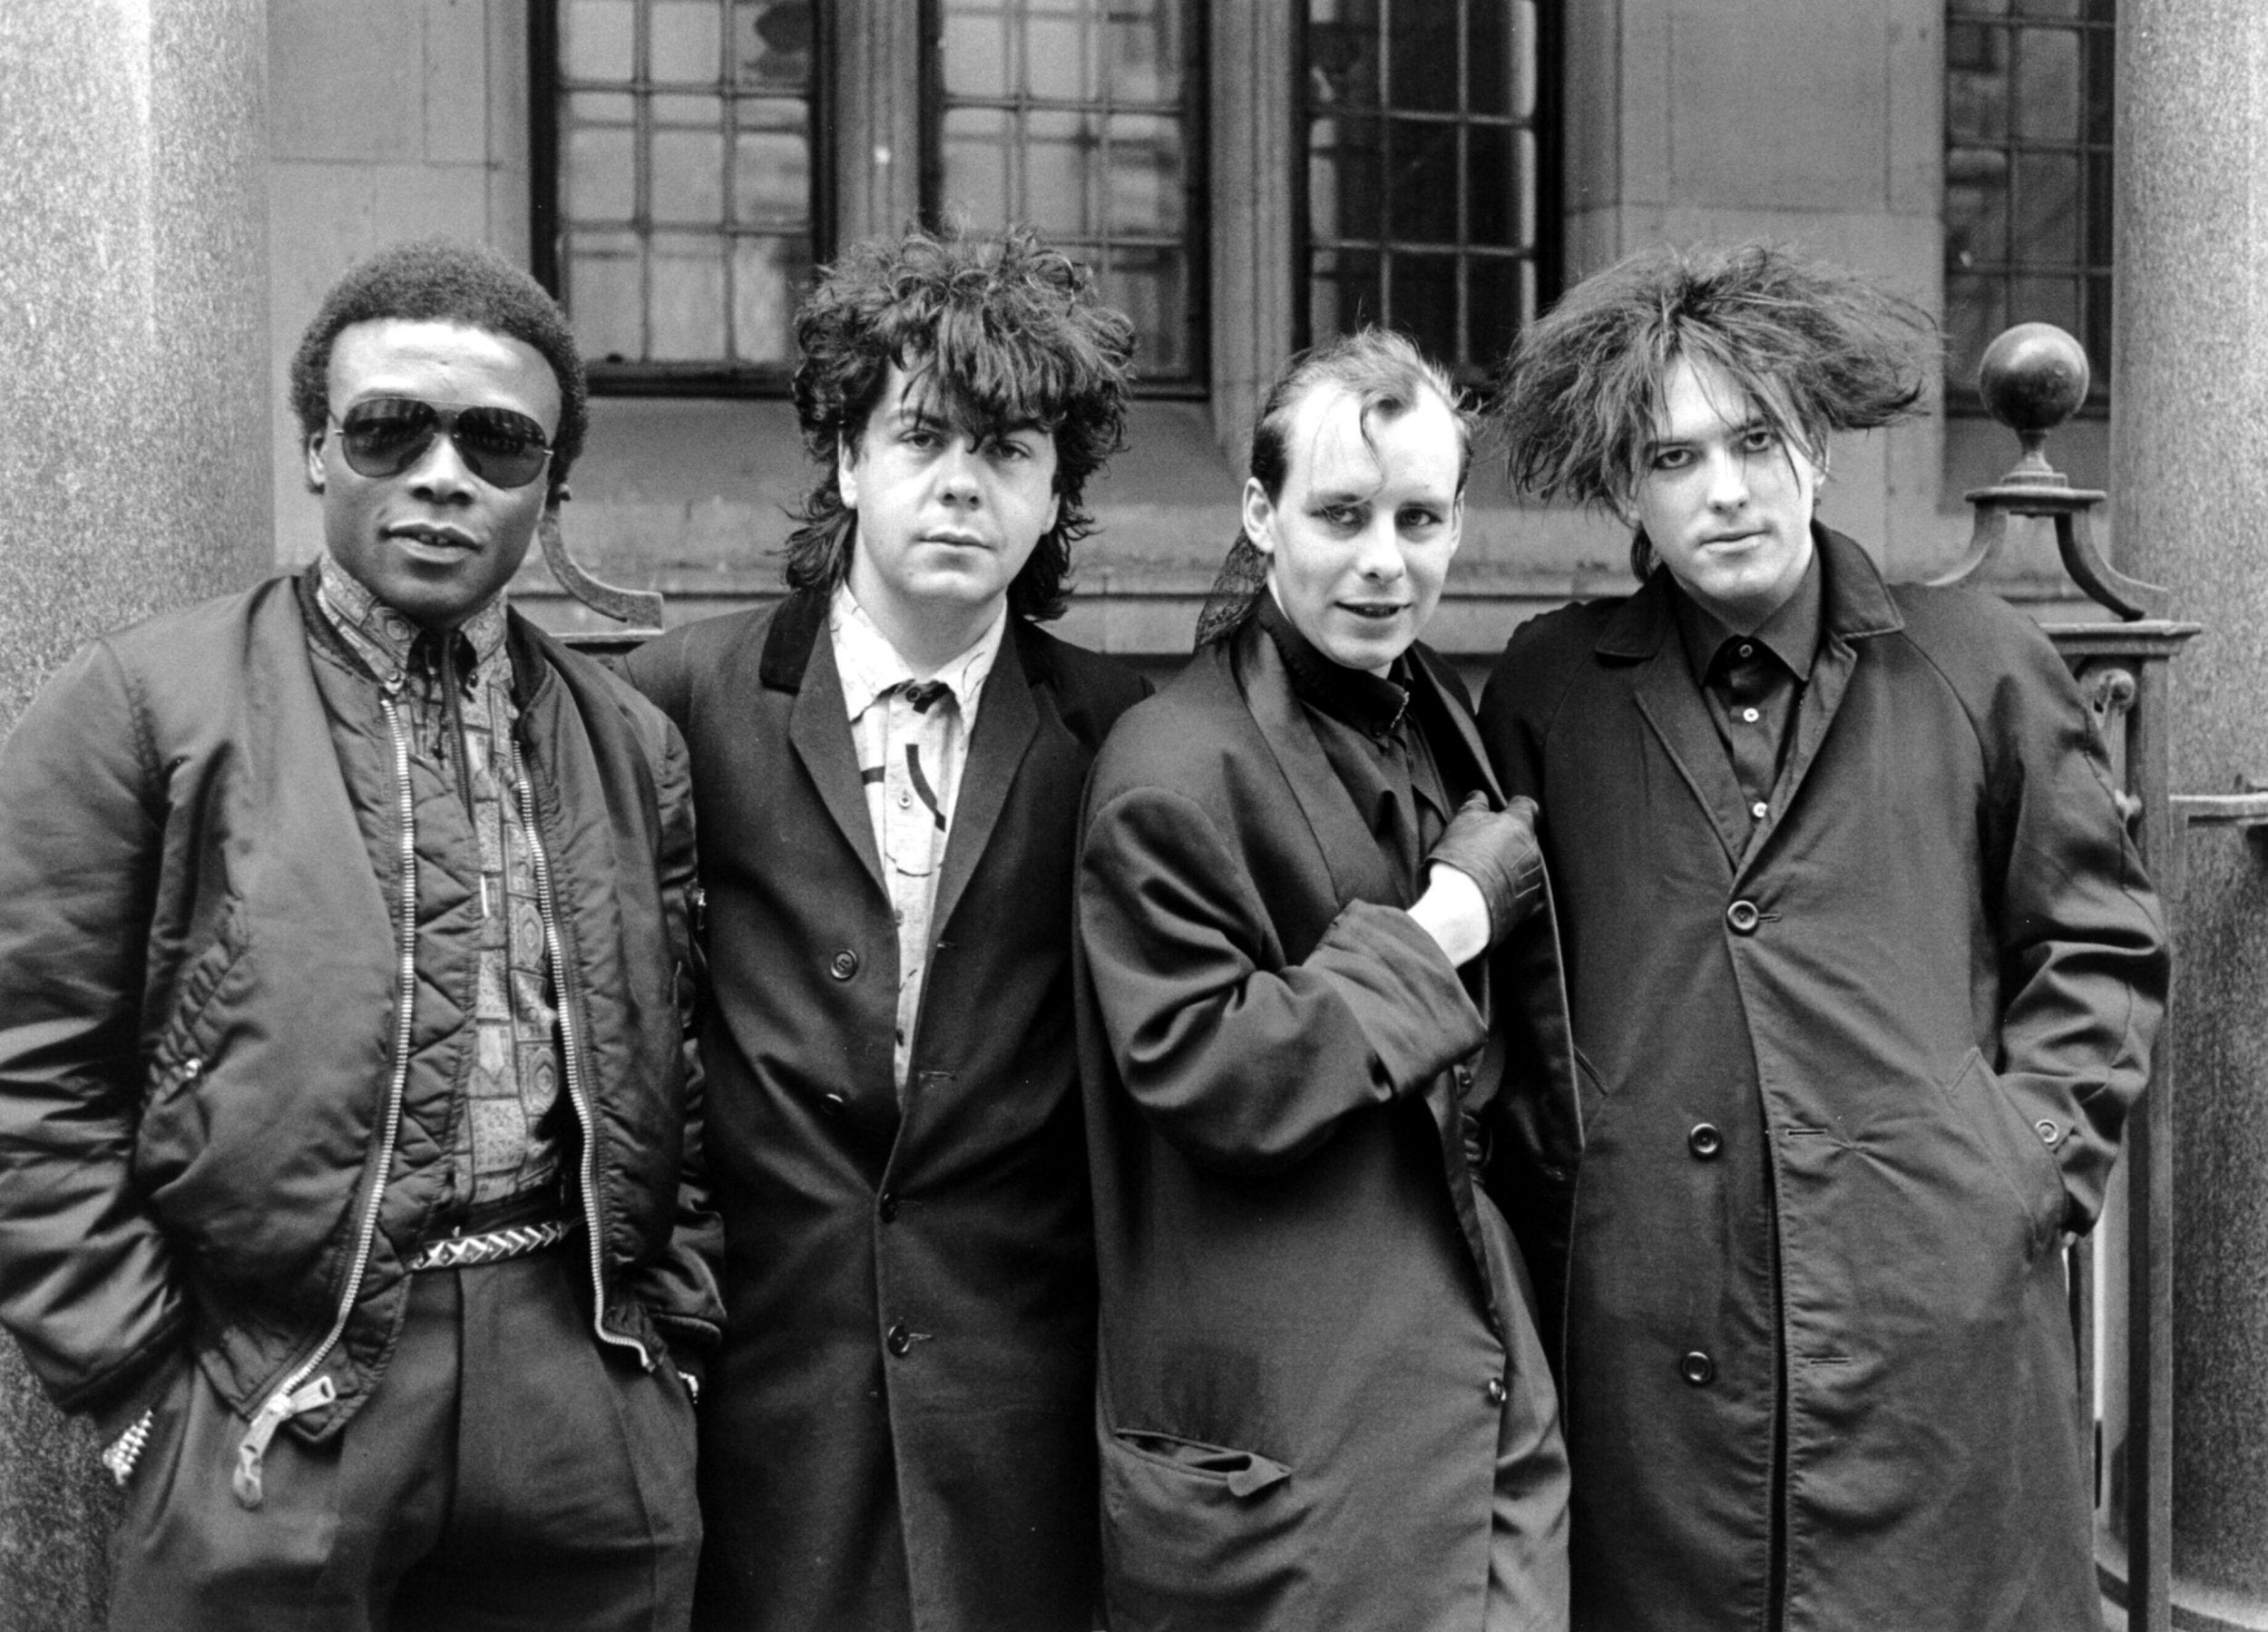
(899, 1428)
(1303, 1368)
(1882, 1044)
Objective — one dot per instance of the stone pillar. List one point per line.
(2189, 393)
(134, 467)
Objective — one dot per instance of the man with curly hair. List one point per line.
(887, 766)
(1864, 974)
(347, 1165)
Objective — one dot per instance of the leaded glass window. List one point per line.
(2027, 174)
(1079, 118)
(1424, 187)
(684, 182)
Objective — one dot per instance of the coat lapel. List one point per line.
(818, 729)
(1006, 721)
(1855, 606)
(1350, 855)
(1671, 705)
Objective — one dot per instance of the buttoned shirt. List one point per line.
(1753, 683)
(455, 695)
(912, 733)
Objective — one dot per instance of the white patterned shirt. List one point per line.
(912, 733)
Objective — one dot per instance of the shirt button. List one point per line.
(1746, 650)
(1743, 917)
(1704, 1140)
(888, 1207)
(1496, 1391)
(843, 965)
(2048, 1130)
(1698, 1369)
(905, 799)
(1760, 810)
(1751, 716)
(833, 1104)
(898, 1340)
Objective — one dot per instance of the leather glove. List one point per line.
(1497, 850)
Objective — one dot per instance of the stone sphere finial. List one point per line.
(2032, 379)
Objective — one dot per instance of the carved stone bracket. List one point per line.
(641, 609)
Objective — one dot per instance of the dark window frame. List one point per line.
(1197, 194)
(2092, 269)
(546, 225)
(1549, 253)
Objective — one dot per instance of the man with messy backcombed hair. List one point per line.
(1864, 974)
(889, 765)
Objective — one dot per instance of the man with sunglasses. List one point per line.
(348, 1153)
(887, 767)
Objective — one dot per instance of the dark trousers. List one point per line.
(506, 1472)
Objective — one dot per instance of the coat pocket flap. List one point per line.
(1247, 1473)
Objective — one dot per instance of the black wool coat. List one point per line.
(1851, 1075)
(898, 1430)
(1304, 1366)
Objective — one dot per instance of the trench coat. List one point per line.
(1303, 1369)
(1880, 1044)
(898, 1430)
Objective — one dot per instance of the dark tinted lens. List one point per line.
(501, 446)
(383, 436)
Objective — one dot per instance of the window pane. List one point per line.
(599, 176)
(771, 178)
(603, 294)
(1447, 181)
(766, 273)
(1500, 294)
(1143, 60)
(1344, 290)
(1057, 162)
(1145, 178)
(595, 38)
(2048, 207)
(1976, 207)
(976, 164)
(1059, 51)
(771, 45)
(1976, 84)
(1422, 301)
(2047, 85)
(1152, 287)
(976, 47)
(1976, 311)
(688, 177)
(684, 41)
(2046, 300)
(1422, 159)
(685, 277)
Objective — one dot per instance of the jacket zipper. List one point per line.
(570, 1052)
(295, 1393)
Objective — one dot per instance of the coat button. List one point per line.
(1698, 1369)
(2048, 1130)
(1743, 917)
(833, 1104)
(1704, 1140)
(843, 965)
(1496, 1391)
(888, 1207)
(898, 1340)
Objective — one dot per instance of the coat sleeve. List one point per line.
(1244, 1063)
(2084, 956)
(87, 1284)
(680, 1287)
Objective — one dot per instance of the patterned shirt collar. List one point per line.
(381, 636)
(870, 666)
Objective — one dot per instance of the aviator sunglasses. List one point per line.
(385, 436)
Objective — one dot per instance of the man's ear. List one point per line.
(314, 451)
(1259, 517)
(847, 472)
(1457, 523)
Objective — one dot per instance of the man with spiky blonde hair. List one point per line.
(1864, 974)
